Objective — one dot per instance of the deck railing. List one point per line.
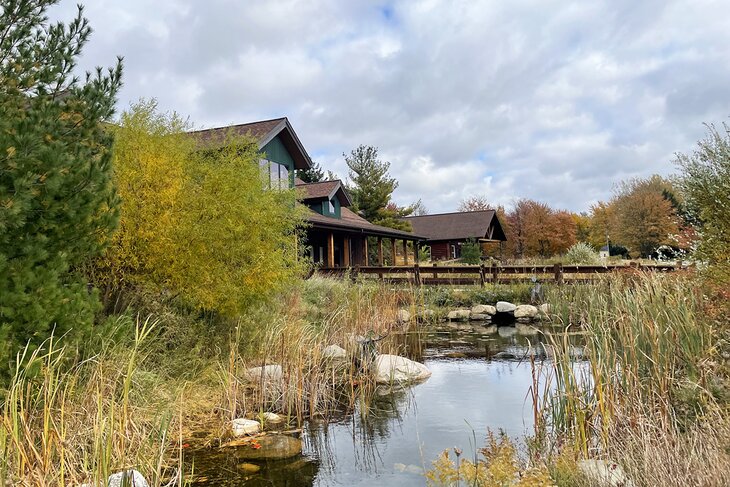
(420, 274)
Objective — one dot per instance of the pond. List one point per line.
(478, 382)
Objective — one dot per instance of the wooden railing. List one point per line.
(482, 274)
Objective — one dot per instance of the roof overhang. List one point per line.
(292, 143)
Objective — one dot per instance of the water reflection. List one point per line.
(480, 380)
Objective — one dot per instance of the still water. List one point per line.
(479, 382)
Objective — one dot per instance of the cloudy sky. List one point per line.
(550, 100)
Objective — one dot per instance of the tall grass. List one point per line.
(644, 396)
(66, 422)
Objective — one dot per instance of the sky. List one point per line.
(550, 100)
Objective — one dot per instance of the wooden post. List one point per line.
(405, 252)
(416, 274)
(330, 250)
(435, 273)
(495, 273)
(558, 271)
(365, 251)
(380, 251)
(482, 275)
(346, 252)
(392, 251)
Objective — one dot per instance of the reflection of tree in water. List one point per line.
(370, 425)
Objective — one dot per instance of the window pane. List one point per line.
(283, 177)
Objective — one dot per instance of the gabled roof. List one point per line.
(263, 132)
(458, 226)
(325, 190)
(353, 222)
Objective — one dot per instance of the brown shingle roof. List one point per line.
(352, 221)
(457, 226)
(318, 190)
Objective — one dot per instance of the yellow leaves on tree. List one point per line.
(198, 222)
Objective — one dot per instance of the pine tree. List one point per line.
(314, 174)
(57, 203)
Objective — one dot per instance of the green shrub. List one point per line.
(471, 252)
(582, 253)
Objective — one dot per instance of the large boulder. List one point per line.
(505, 307)
(506, 331)
(268, 447)
(243, 426)
(526, 311)
(483, 309)
(606, 473)
(526, 330)
(459, 315)
(271, 372)
(480, 317)
(544, 308)
(393, 368)
(426, 314)
(334, 352)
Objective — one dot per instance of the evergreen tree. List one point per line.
(371, 189)
(314, 174)
(57, 203)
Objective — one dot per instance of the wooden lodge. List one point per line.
(336, 237)
(446, 232)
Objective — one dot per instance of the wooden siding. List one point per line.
(276, 152)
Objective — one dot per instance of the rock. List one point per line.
(505, 307)
(489, 330)
(459, 315)
(131, 478)
(526, 330)
(504, 356)
(426, 314)
(480, 317)
(523, 320)
(268, 417)
(525, 311)
(485, 309)
(271, 372)
(403, 316)
(506, 331)
(243, 426)
(544, 308)
(248, 467)
(392, 368)
(270, 447)
(604, 473)
(334, 352)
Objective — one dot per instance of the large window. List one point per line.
(278, 174)
(331, 207)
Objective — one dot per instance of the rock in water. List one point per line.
(480, 317)
(392, 368)
(483, 309)
(248, 467)
(403, 316)
(243, 426)
(459, 315)
(128, 478)
(271, 417)
(604, 473)
(506, 331)
(270, 447)
(334, 352)
(490, 330)
(505, 307)
(271, 372)
(526, 330)
(526, 311)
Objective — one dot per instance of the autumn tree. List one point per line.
(582, 226)
(418, 208)
(57, 202)
(535, 229)
(475, 203)
(705, 185)
(198, 222)
(372, 188)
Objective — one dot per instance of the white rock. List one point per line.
(480, 317)
(459, 315)
(403, 316)
(393, 368)
(130, 478)
(243, 426)
(526, 330)
(489, 330)
(525, 311)
(506, 331)
(483, 309)
(544, 308)
(271, 417)
(334, 352)
(269, 373)
(426, 314)
(505, 307)
(604, 473)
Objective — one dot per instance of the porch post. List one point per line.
(330, 250)
(405, 252)
(365, 251)
(346, 251)
(380, 251)
(392, 250)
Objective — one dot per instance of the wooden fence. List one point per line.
(481, 274)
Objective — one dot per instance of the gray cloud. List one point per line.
(552, 100)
